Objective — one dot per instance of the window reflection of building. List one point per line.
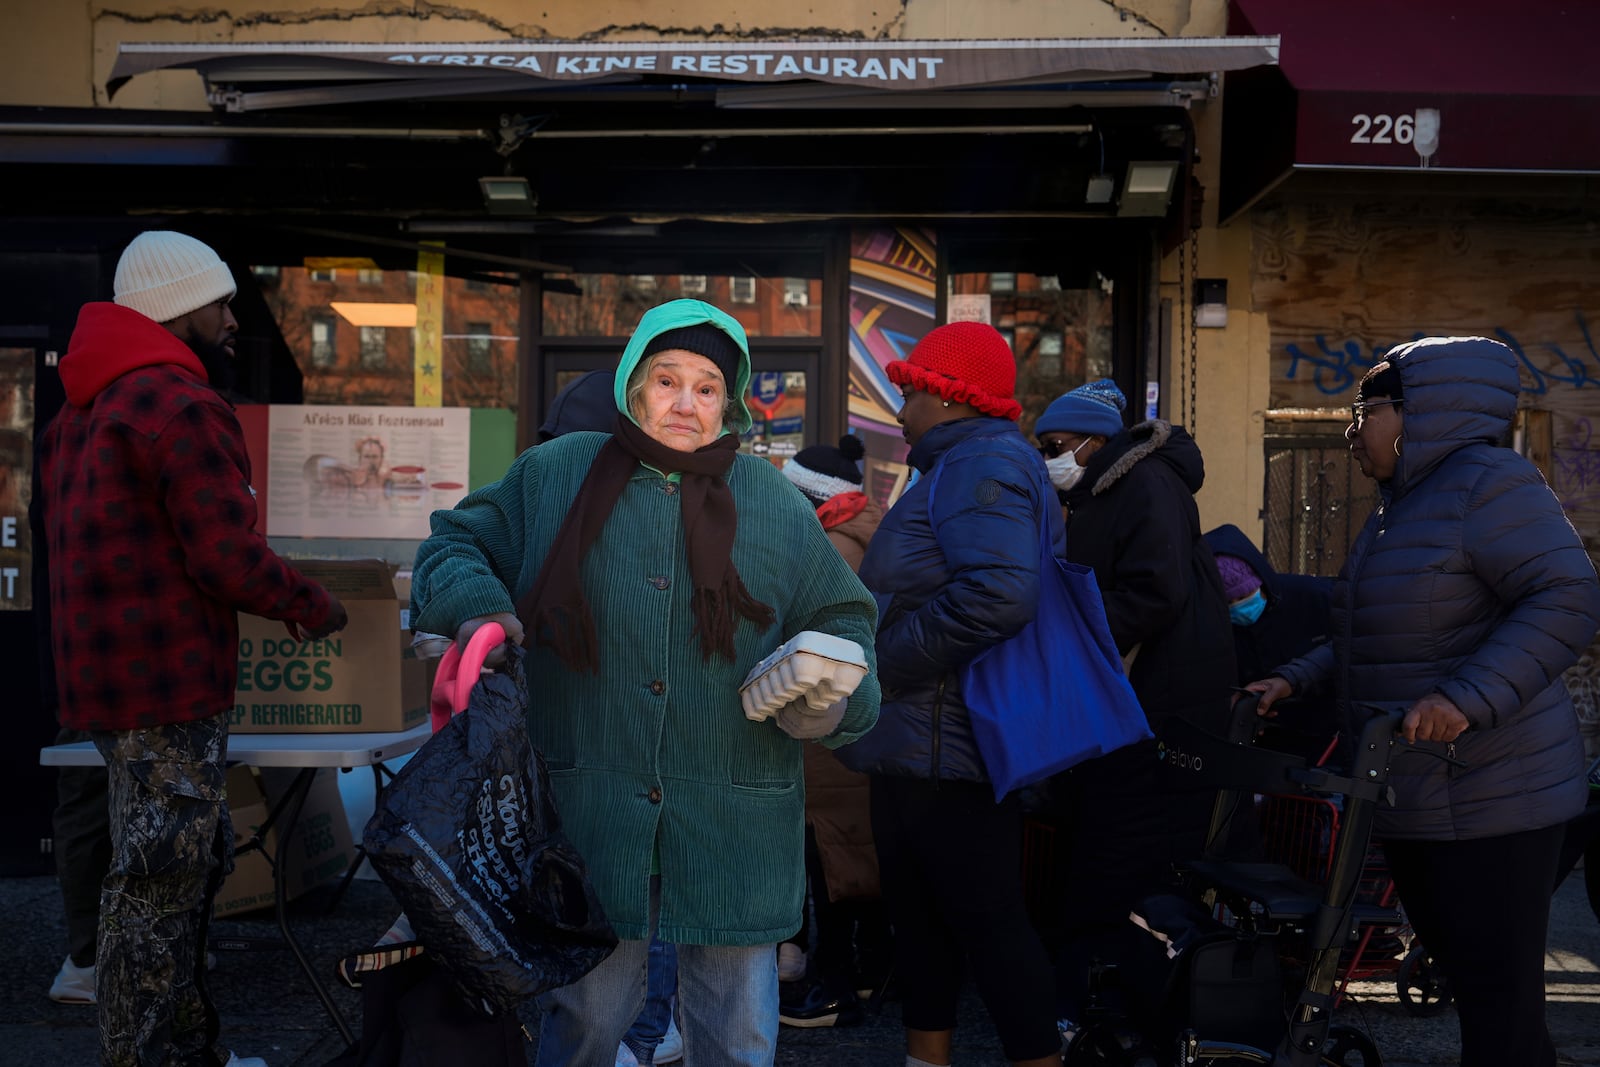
(609, 305)
(374, 348)
(323, 352)
(480, 348)
(343, 363)
(1061, 336)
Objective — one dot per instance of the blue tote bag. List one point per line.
(1055, 694)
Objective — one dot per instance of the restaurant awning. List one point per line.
(753, 130)
(1450, 85)
(350, 71)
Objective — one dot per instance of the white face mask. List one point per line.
(1064, 469)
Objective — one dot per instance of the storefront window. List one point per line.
(1062, 337)
(353, 335)
(777, 403)
(360, 479)
(610, 305)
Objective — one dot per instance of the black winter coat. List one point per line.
(1133, 519)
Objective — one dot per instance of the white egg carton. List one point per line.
(821, 668)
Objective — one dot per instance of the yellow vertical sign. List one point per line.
(428, 361)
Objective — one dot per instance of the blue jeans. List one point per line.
(727, 1005)
(661, 986)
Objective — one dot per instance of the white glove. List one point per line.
(802, 722)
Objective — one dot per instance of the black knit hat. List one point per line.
(703, 340)
(585, 403)
(822, 472)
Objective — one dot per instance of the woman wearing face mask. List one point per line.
(1131, 516)
(1276, 618)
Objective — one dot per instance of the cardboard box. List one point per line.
(363, 679)
(321, 848)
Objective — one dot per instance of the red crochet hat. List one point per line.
(965, 363)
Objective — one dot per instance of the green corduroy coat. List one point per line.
(654, 751)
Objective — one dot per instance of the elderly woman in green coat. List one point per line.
(651, 568)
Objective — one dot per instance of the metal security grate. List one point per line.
(1316, 498)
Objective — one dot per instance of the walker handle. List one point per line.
(459, 672)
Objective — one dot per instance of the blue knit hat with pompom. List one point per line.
(1092, 408)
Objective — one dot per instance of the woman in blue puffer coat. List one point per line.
(953, 575)
(1464, 597)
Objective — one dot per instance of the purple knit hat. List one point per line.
(1239, 580)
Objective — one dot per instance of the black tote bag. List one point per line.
(469, 840)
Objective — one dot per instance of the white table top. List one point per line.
(278, 750)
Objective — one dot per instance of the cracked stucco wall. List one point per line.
(58, 52)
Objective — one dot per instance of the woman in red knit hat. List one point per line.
(955, 570)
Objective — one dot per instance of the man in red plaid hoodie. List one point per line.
(150, 523)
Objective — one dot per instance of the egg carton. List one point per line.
(821, 668)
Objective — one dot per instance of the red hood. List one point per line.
(111, 340)
(841, 509)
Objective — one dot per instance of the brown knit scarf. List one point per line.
(555, 612)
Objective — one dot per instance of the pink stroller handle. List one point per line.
(459, 671)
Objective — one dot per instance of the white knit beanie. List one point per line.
(164, 274)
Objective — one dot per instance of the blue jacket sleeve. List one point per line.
(985, 516)
(1522, 546)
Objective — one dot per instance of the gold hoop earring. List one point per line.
(1397, 446)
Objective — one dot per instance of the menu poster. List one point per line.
(369, 472)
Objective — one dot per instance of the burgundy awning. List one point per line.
(1500, 88)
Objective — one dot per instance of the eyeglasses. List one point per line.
(1358, 410)
(1052, 449)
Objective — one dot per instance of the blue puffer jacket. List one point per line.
(1467, 580)
(950, 583)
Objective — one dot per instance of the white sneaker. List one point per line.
(236, 1060)
(73, 984)
(791, 962)
(671, 1048)
(625, 1056)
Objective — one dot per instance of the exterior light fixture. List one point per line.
(1211, 302)
(508, 196)
(1147, 190)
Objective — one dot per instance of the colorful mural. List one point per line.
(893, 274)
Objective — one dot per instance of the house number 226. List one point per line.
(1382, 129)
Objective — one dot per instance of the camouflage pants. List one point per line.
(171, 845)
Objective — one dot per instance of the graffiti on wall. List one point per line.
(1335, 368)
(1575, 467)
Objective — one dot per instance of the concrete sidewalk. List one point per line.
(268, 1010)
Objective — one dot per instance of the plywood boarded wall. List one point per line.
(1344, 278)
